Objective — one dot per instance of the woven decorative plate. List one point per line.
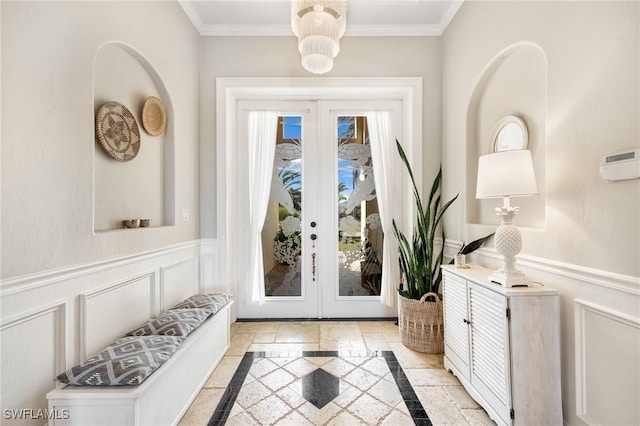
(154, 116)
(117, 131)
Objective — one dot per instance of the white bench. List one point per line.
(161, 399)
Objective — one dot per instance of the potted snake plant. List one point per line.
(420, 309)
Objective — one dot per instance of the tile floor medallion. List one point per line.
(329, 373)
(314, 387)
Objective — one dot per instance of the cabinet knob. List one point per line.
(466, 321)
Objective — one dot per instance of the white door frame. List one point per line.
(229, 91)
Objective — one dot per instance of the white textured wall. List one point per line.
(279, 57)
(588, 248)
(48, 138)
(592, 109)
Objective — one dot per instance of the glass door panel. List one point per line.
(289, 290)
(322, 238)
(360, 234)
(282, 231)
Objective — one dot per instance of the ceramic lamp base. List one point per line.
(508, 243)
(513, 279)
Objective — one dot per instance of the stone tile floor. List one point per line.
(272, 392)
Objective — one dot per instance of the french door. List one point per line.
(322, 238)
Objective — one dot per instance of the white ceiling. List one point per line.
(364, 17)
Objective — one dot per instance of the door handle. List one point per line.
(313, 255)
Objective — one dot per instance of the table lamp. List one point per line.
(507, 174)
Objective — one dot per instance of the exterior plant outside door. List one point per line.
(322, 239)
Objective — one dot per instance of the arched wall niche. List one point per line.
(514, 83)
(144, 187)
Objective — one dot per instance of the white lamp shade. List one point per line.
(506, 174)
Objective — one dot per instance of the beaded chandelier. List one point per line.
(319, 25)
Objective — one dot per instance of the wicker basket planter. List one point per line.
(421, 324)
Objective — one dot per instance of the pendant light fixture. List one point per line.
(319, 25)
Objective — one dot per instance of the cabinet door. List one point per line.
(490, 366)
(456, 328)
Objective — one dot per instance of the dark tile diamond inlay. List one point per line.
(414, 406)
(320, 387)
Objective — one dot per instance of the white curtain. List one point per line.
(387, 172)
(261, 143)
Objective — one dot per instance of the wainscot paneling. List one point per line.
(101, 324)
(607, 355)
(54, 319)
(209, 267)
(210, 273)
(33, 353)
(178, 281)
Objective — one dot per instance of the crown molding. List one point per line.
(449, 14)
(352, 30)
(192, 14)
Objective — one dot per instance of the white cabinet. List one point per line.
(503, 344)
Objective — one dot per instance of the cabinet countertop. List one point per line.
(481, 275)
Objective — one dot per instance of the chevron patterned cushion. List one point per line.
(211, 302)
(128, 361)
(178, 322)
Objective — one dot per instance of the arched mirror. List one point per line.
(509, 133)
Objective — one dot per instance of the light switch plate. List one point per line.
(185, 215)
